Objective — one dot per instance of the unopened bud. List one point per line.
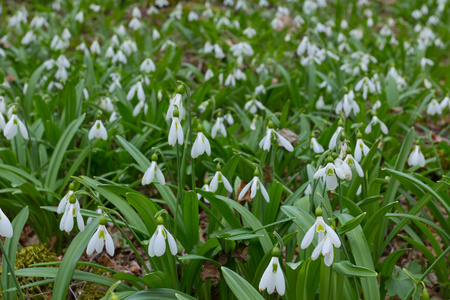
(102, 220)
(159, 220)
(154, 157)
(276, 251)
(319, 211)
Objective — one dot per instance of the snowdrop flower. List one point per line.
(138, 108)
(218, 177)
(320, 227)
(254, 185)
(28, 38)
(445, 103)
(2, 105)
(201, 144)
(6, 229)
(95, 8)
(72, 210)
(2, 122)
(98, 131)
(100, 239)
(230, 81)
(325, 246)
(193, 16)
(273, 278)
(106, 104)
(374, 121)
(175, 102)
(148, 66)
(334, 137)
(151, 171)
(135, 24)
(136, 89)
(205, 188)
(79, 17)
(317, 148)
(155, 34)
(176, 130)
(345, 168)
(253, 122)
(328, 174)
(10, 129)
(119, 57)
(366, 85)
(434, 108)
(249, 32)
(109, 52)
(253, 105)
(271, 134)
(360, 148)
(95, 47)
(426, 61)
(347, 104)
(218, 127)
(65, 200)
(350, 161)
(157, 246)
(416, 157)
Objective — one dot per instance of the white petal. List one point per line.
(331, 234)
(151, 245)
(6, 229)
(92, 242)
(160, 176)
(279, 281)
(227, 184)
(109, 243)
(172, 243)
(23, 129)
(307, 239)
(159, 246)
(214, 184)
(264, 192)
(267, 277)
(80, 221)
(245, 190)
(288, 146)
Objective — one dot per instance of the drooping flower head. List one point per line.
(201, 144)
(13, 126)
(254, 185)
(218, 177)
(157, 246)
(100, 239)
(6, 229)
(151, 171)
(273, 278)
(270, 135)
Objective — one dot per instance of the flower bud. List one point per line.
(98, 116)
(71, 186)
(14, 111)
(218, 168)
(270, 124)
(72, 200)
(341, 123)
(199, 127)
(180, 89)
(256, 173)
(359, 135)
(154, 157)
(330, 159)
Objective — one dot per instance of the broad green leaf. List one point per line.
(239, 286)
(348, 269)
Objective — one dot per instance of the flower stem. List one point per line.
(11, 269)
(88, 173)
(179, 192)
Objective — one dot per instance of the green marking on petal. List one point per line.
(101, 234)
(320, 228)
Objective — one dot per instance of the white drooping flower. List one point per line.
(119, 57)
(98, 131)
(138, 108)
(157, 246)
(273, 278)
(200, 146)
(334, 137)
(254, 185)
(106, 104)
(328, 173)
(374, 121)
(348, 104)
(136, 89)
(10, 130)
(340, 164)
(176, 130)
(351, 161)
(434, 108)
(175, 102)
(151, 171)
(72, 210)
(147, 66)
(426, 62)
(444, 104)
(218, 177)
(325, 241)
(100, 239)
(95, 47)
(366, 85)
(253, 105)
(79, 17)
(6, 229)
(360, 148)
(205, 188)
(317, 148)
(65, 200)
(270, 135)
(416, 157)
(218, 127)
(229, 118)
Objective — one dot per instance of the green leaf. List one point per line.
(11, 248)
(239, 286)
(73, 254)
(28, 99)
(158, 294)
(191, 219)
(60, 151)
(348, 269)
(140, 158)
(351, 224)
